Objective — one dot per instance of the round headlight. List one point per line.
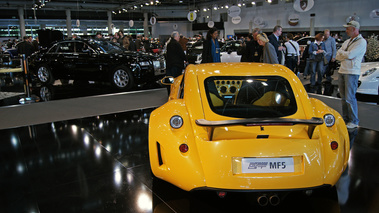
(176, 121)
(329, 120)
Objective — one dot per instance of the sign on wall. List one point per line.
(191, 16)
(303, 5)
(211, 24)
(153, 20)
(374, 14)
(293, 19)
(236, 20)
(234, 11)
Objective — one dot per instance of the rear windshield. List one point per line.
(250, 97)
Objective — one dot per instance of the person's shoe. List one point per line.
(351, 125)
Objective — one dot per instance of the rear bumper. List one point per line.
(261, 190)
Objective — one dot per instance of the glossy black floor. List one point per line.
(100, 164)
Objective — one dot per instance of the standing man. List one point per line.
(175, 56)
(257, 50)
(274, 40)
(330, 48)
(292, 53)
(350, 55)
(246, 49)
(25, 47)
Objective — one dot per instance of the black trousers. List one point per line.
(291, 62)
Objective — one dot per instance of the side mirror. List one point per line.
(168, 80)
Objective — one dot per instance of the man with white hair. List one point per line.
(350, 55)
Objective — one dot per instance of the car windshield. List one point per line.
(106, 46)
(250, 97)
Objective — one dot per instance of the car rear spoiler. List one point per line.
(312, 123)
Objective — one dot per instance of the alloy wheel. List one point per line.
(43, 74)
(121, 78)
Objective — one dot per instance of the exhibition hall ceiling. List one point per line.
(121, 9)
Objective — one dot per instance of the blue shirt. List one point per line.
(215, 51)
(330, 47)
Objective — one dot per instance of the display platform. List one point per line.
(99, 163)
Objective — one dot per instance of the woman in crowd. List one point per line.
(316, 57)
(211, 47)
(269, 52)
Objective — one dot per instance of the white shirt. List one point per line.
(291, 50)
(351, 54)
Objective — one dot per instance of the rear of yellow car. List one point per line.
(246, 127)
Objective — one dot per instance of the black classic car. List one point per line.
(96, 60)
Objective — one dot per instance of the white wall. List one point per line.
(166, 28)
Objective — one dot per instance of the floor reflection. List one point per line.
(72, 166)
(58, 91)
(101, 164)
(359, 185)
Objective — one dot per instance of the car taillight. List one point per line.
(334, 145)
(183, 148)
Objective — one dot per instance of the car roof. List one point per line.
(238, 69)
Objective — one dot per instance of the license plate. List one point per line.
(267, 165)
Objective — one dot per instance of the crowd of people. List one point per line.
(26, 46)
(319, 55)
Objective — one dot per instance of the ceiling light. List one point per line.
(239, 5)
(253, 2)
(205, 9)
(226, 6)
(180, 2)
(269, 1)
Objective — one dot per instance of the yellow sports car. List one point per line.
(246, 127)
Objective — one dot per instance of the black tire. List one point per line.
(44, 74)
(122, 78)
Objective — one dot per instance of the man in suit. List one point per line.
(274, 40)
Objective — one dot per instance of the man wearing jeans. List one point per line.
(350, 55)
(330, 48)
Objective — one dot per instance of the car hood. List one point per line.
(369, 65)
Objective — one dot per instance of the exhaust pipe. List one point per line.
(262, 200)
(274, 200)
